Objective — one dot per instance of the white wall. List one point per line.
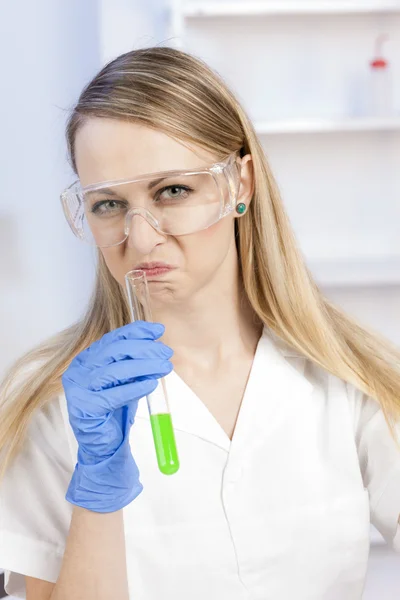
(129, 24)
(49, 50)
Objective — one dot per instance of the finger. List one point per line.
(126, 371)
(123, 350)
(126, 349)
(136, 330)
(121, 395)
(94, 404)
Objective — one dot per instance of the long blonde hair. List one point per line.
(178, 93)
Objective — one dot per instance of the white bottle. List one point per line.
(381, 85)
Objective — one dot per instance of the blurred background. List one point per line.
(319, 78)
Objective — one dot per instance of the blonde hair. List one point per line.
(178, 93)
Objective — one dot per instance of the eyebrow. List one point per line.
(113, 193)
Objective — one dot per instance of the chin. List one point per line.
(163, 293)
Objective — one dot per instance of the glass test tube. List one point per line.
(157, 401)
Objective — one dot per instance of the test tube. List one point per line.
(157, 401)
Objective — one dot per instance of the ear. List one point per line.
(246, 187)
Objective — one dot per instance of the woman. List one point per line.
(284, 409)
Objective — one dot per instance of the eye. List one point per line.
(107, 207)
(175, 192)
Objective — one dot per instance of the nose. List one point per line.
(142, 236)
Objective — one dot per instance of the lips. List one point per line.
(154, 269)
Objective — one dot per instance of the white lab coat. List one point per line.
(281, 512)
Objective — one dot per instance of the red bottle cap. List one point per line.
(379, 63)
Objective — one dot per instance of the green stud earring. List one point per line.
(240, 208)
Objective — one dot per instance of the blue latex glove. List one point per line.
(103, 385)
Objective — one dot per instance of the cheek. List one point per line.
(219, 235)
(208, 247)
(218, 230)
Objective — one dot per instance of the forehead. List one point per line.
(108, 149)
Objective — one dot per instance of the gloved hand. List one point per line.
(103, 385)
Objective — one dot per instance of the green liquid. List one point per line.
(164, 441)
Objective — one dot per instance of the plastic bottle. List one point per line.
(381, 85)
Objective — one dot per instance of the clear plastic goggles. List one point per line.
(173, 202)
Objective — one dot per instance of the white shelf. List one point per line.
(256, 8)
(354, 273)
(327, 125)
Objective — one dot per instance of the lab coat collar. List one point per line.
(277, 374)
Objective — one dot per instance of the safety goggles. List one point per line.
(172, 202)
